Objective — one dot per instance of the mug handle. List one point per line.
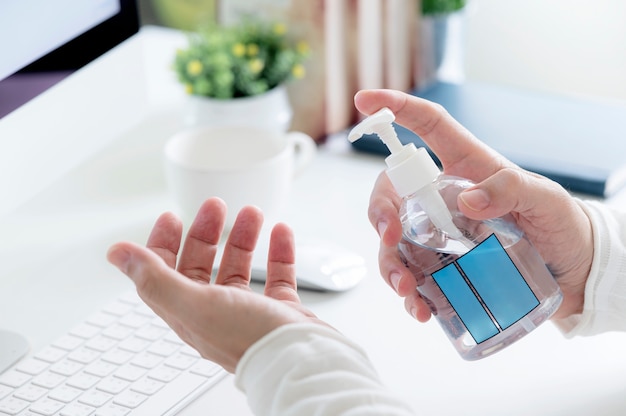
(305, 149)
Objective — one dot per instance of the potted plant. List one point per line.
(441, 52)
(227, 70)
(439, 7)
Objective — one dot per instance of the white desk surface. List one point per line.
(54, 274)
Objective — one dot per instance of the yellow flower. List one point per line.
(253, 49)
(188, 88)
(194, 67)
(256, 65)
(302, 47)
(279, 29)
(239, 49)
(298, 71)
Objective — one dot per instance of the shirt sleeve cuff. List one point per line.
(605, 290)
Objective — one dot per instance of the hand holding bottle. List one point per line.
(552, 220)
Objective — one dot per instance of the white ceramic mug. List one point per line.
(241, 165)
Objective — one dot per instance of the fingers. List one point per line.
(383, 211)
(281, 267)
(417, 307)
(237, 258)
(165, 238)
(459, 151)
(203, 237)
(510, 190)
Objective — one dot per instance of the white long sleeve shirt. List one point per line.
(309, 369)
(605, 291)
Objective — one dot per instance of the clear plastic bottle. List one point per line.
(484, 282)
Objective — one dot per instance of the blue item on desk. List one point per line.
(580, 144)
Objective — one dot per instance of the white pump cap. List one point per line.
(411, 171)
(408, 168)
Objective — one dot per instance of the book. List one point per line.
(400, 43)
(577, 142)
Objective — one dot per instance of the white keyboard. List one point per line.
(124, 360)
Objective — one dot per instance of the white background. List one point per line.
(566, 46)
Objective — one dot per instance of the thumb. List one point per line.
(133, 259)
(156, 282)
(508, 190)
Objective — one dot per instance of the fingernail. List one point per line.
(475, 199)
(120, 258)
(413, 312)
(394, 279)
(382, 227)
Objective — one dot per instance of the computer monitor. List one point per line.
(51, 96)
(55, 111)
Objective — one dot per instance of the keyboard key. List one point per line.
(112, 410)
(147, 360)
(130, 372)
(83, 381)
(164, 373)
(14, 378)
(12, 405)
(32, 366)
(46, 407)
(172, 337)
(164, 348)
(66, 367)
(65, 393)
(5, 391)
(181, 361)
(100, 368)
(84, 355)
(151, 332)
(76, 409)
(117, 331)
(95, 398)
(130, 399)
(147, 386)
(187, 349)
(68, 342)
(48, 380)
(134, 344)
(206, 368)
(112, 385)
(135, 320)
(117, 356)
(51, 354)
(30, 392)
(101, 343)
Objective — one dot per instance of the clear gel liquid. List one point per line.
(484, 297)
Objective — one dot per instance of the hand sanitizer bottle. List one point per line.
(484, 281)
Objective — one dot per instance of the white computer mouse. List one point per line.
(320, 265)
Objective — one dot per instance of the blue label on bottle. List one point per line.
(486, 290)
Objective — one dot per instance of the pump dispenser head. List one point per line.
(411, 171)
(408, 168)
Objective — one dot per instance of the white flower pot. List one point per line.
(441, 56)
(270, 110)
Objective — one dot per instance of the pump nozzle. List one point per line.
(378, 123)
(411, 170)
